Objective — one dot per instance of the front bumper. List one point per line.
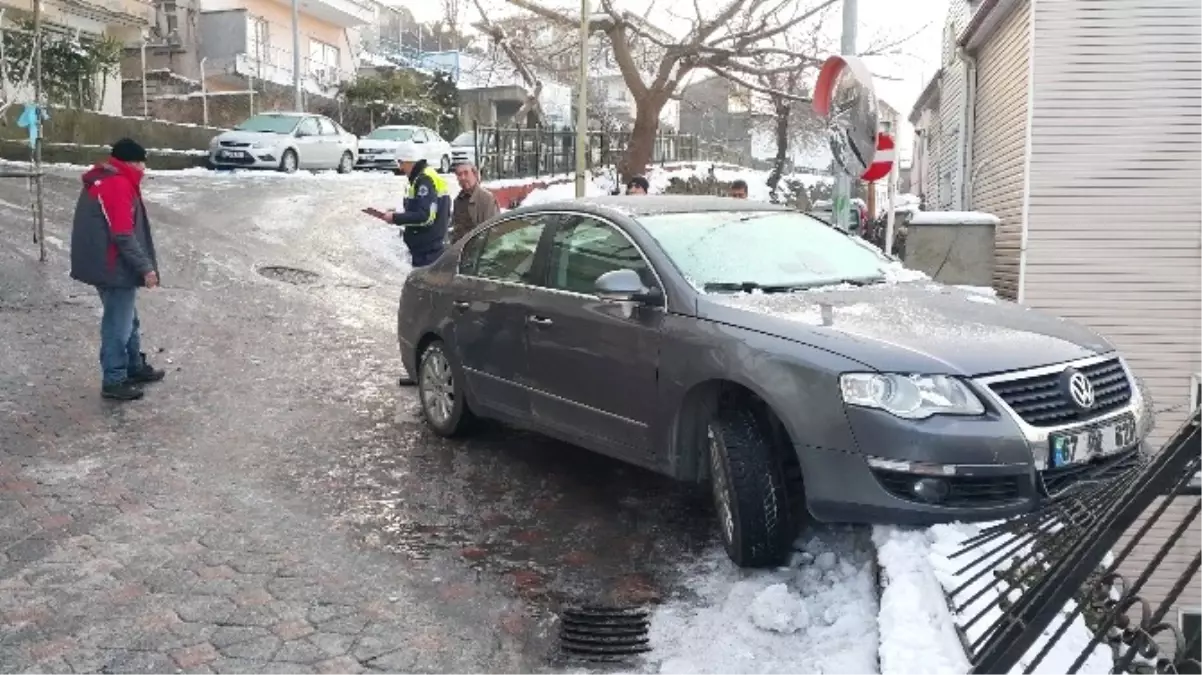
(376, 162)
(246, 158)
(988, 467)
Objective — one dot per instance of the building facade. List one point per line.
(1077, 124)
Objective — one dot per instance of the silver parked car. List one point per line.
(285, 141)
(766, 353)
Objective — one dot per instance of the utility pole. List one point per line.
(298, 101)
(39, 220)
(582, 100)
(841, 203)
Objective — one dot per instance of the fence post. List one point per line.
(476, 147)
(538, 148)
(496, 141)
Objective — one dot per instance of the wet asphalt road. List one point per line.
(280, 454)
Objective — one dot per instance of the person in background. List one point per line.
(637, 185)
(738, 189)
(473, 205)
(112, 249)
(427, 207)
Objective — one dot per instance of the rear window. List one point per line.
(468, 139)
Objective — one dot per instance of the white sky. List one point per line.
(878, 20)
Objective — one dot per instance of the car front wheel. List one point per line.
(441, 392)
(347, 163)
(749, 490)
(289, 162)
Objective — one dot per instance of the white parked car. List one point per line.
(285, 141)
(463, 148)
(378, 150)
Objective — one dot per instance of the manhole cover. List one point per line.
(289, 275)
(604, 633)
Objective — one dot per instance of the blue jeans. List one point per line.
(120, 344)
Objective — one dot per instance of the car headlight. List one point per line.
(262, 145)
(913, 397)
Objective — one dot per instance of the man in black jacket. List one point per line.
(113, 250)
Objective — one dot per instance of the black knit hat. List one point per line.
(128, 150)
(639, 181)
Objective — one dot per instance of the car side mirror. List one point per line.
(625, 285)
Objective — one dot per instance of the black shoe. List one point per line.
(121, 391)
(143, 372)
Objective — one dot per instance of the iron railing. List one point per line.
(1056, 565)
(515, 152)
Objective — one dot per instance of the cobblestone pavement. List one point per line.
(276, 505)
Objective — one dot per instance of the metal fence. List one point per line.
(1032, 578)
(514, 152)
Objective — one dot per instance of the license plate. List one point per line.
(232, 154)
(1080, 445)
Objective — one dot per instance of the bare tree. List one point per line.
(726, 40)
(532, 104)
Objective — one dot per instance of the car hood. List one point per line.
(920, 327)
(377, 145)
(253, 137)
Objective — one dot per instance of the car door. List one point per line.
(421, 143)
(490, 305)
(331, 143)
(592, 362)
(308, 144)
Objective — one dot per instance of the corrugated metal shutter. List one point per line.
(999, 141)
(1116, 166)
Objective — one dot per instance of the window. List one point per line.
(587, 248)
(308, 127)
(391, 134)
(272, 123)
(328, 128)
(323, 58)
(504, 252)
(1190, 622)
(258, 38)
(419, 136)
(724, 251)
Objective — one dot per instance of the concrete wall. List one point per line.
(951, 254)
(85, 128)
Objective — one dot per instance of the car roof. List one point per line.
(398, 126)
(636, 206)
(285, 113)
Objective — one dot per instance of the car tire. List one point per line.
(347, 163)
(289, 162)
(438, 376)
(444, 164)
(749, 490)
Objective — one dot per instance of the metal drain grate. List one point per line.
(289, 275)
(604, 633)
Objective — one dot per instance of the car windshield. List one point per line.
(390, 135)
(467, 138)
(762, 250)
(270, 124)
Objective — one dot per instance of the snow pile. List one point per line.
(816, 615)
(916, 571)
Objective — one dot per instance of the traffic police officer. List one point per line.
(427, 209)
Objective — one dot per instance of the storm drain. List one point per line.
(604, 633)
(289, 275)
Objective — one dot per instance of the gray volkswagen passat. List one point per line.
(765, 352)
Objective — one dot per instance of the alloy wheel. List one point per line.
(437, 386)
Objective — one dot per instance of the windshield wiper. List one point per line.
(747, 287)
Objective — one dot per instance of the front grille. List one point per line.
(1042, 400)
(234, 144)
(964, 491)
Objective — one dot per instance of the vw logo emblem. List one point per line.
(1081, 390)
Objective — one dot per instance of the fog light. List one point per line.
(930, 490)
(267, 158)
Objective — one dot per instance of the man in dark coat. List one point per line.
(113, 250)
(427, 211)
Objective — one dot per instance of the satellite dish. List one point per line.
(845, 99)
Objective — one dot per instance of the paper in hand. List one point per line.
(376, 213)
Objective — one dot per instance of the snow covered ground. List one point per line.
(821, 613)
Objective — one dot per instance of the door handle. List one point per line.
(462, 305)
(539, 320)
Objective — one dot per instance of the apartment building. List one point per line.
(83, 20)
